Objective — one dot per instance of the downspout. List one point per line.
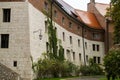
(52, 1)
(83, 45)
(107, 35)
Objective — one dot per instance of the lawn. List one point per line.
(106, 79)
(53, 79)
(64, 78)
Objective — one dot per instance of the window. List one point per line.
(96, 36)
(70, 24)
(78, 43)
(4, 40)
(6, 15)
(55, 13)
(46, 28)
(86, 45)
(63, 19)
(86, 58)
(68, 55)
(94, 59)
(98, 47)
(93, 47)
(47, 47)
(56, 31)
(73, 56)
(78, 27)
(15, 63)
(99, 60)
(63, 36)
(79, 56)
(70, 39)
(46, 6)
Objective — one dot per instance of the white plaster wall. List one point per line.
(24, 29)
(18, 30)
(89, 51)
(38, 46)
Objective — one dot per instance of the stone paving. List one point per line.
(7, 74)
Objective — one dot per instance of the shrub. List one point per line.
(91, 69)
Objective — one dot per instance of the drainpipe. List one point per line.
(83, 45)
(107, 35)
(52, 1)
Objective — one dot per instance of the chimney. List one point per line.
(92, 1)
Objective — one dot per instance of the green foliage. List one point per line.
(106, 79)
(46, 68)
(114, 13)
(91, 69)
(112, 62)
(53, 64)
(55, 50)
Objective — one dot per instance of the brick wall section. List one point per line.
(8, 74)
(60, 13)
(10, 0)
(102, 21)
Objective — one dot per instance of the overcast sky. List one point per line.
(82, 4)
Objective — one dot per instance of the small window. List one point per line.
(68, 55)
(15, 63)
(94, 59)
(86, 45)
(56, 31)
(93, 47)
(96, 36)
(4, 40)
(70, 24)
(46, 26)
(78, 43)
(6, 15)
(63, 19)
(47, 47)
(63, 36)
(46, 6)
(70, 39)
(73, 56)
(55, 13)
(99, 60)
(79, 56)
(98, 47)
(86, 58)
(78, 27)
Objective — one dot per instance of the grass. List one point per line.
(56, 78)
(106, 79)
(53, 79)
(64, 78)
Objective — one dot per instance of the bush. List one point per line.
(46, 68)
(91, 69)
(112, 63)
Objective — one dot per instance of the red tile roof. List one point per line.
(88, 18)
(102, 8)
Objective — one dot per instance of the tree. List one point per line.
(112, 63)
(114, 13)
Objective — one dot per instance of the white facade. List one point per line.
(19, 42)
(24, 28)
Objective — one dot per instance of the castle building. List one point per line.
(23, 32)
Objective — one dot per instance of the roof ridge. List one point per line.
(102, 3)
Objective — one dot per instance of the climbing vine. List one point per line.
(55, 49)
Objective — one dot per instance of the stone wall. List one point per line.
(8, 74)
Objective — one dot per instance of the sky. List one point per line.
(82, 4)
